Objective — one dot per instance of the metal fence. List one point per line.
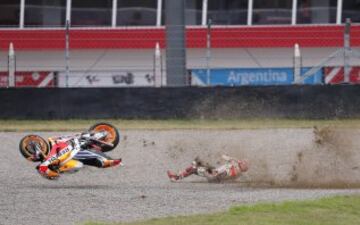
(215, 55)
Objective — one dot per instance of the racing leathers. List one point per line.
(231, 169)
(69, 154)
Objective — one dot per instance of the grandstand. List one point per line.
(113, 42)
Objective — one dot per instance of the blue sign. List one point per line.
(316, 78)
(251, 76)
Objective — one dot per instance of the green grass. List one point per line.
(344, 210)
(78, 125)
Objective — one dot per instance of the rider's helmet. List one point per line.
(243, 165)
(197, 162)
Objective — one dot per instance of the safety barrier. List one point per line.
(295, 101)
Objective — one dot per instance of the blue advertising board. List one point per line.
(317, 78)
(251, 76)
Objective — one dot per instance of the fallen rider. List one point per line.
(231, 169)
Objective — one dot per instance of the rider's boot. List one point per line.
(172, 176)
(111, 162)
(187, 172)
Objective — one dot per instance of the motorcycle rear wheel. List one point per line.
(26, 151)
(113, 136)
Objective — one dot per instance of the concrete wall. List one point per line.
(127, 59)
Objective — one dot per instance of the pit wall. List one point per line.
(313, 102)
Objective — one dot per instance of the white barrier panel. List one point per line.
(106, 79)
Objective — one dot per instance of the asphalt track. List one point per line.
(139, 190)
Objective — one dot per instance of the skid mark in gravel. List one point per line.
(141, 189)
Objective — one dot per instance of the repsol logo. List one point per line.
(65, 150)
(62, 152)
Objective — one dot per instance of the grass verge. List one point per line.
(340, 210)
(79, 125)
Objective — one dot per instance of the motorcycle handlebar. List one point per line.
(89, 139)
(102, 142)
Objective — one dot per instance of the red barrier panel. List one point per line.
(30, 79)
(221, 37)
(335, 75)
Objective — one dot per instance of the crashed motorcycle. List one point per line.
(65, 154)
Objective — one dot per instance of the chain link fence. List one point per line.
(215, 55)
